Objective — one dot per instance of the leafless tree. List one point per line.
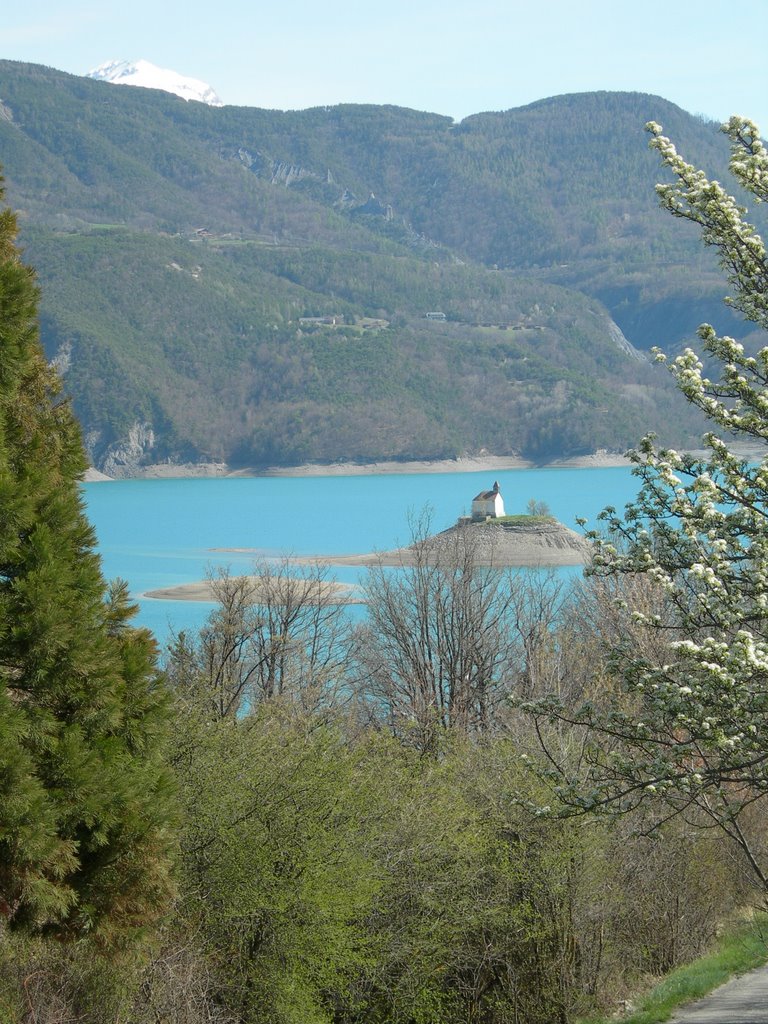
(178, 987)
(438, 647)
(281, 631)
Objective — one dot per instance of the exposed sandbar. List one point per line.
(541, 546)
(323, 592)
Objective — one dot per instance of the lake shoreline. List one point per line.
(484, 463)
(470, 464)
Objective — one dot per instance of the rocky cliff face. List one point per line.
(618, 337)
(124, 457)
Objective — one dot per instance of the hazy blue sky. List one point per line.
(449, 56)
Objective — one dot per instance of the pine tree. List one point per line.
(84, 801)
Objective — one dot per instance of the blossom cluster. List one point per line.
(692, 726)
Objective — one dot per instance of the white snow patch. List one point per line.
(149, 76)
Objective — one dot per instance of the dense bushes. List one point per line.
(332, 870)
(331, 874)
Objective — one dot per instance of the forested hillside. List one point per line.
(501, 797)
(185, 253)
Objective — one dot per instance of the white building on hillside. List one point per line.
(488, 504)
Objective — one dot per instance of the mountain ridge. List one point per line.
(188, 251)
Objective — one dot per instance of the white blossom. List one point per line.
(698, 533)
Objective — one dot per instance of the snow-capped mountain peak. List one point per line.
(141, 72)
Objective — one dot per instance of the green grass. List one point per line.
(521, 520)
(738, 951)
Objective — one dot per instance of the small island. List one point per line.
(532, 540)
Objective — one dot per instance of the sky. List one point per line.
(452, 57)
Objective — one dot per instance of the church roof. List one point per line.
(488, 495)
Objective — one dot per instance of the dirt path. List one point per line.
(741, 1000)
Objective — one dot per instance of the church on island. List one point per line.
(488, 505)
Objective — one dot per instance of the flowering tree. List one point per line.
(691, 724)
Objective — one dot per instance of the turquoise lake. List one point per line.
(159, 533)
